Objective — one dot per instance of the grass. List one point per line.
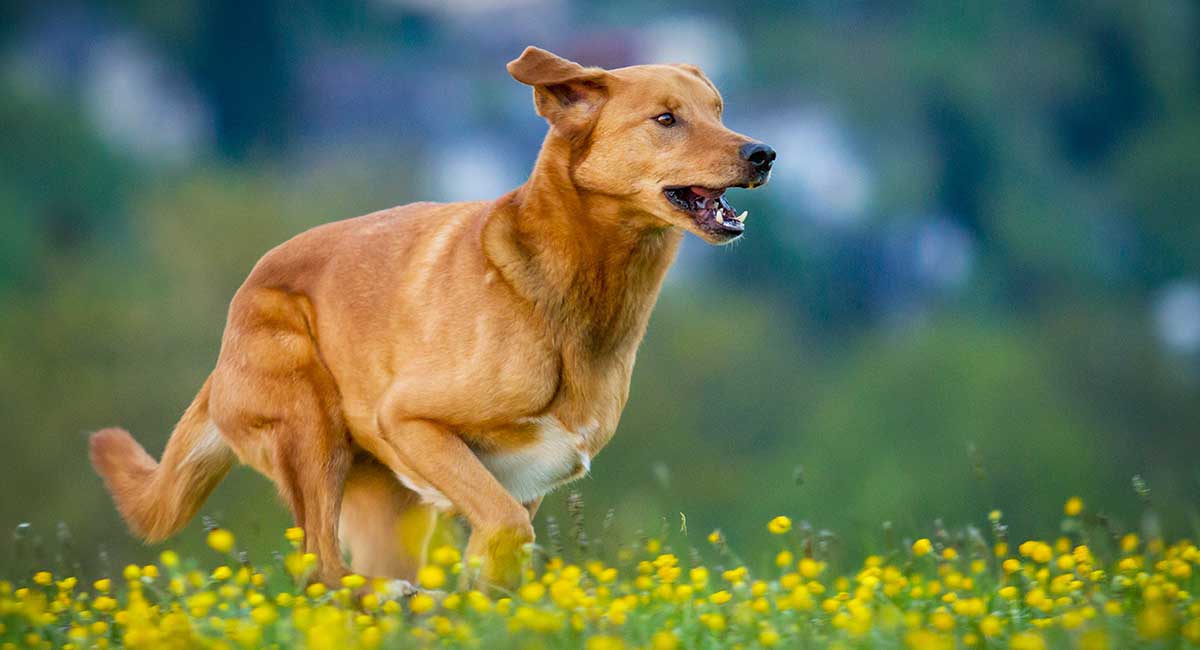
(1091, 587)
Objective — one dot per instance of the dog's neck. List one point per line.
(576, 257)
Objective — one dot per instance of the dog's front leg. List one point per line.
(431, 457)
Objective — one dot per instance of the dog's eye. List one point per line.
(666, 119)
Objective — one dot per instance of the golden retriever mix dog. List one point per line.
(462, 357)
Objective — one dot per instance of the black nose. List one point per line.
(759, 155)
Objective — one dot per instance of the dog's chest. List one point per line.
(555, 456)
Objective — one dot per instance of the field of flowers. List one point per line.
(1090, 588)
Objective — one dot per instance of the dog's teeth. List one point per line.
(742, 217)
(720, 219)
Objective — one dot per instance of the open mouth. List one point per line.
(708, 208)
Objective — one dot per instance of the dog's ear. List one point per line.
(567, 94)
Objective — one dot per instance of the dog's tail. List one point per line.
(156, 499)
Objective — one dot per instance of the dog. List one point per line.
(462, 357)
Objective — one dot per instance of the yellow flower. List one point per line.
(942, 619)
(1155, 622)
(714, 622)
(295, 535)
(445, 555)
(431, 576)
(353, 581)
(1129, 543)
(714, 537)
(421, 603)
(43, 577)
(220, 540)
(316, 590)
(949, 554)
(664, 640)
(720, 597)
(222, 573)
(810, 568)
(779, 525)
(1073, 507)
(532, 592)
(784, 559)
(768, 637)
(922, 547)
(169, 559)
(1027, 641)
(604, 643)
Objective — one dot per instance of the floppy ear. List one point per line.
(567, 94)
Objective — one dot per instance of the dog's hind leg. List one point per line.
(279, 409)
(385, 525)
(311, 480)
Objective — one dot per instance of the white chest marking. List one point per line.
(555, 457)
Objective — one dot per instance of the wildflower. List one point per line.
(942, 619)
(1154, 622)
(1073, 507)
(720, 597)
(169, 559)
(714, 622)
(810, 568)
(714, 537)
(779, 525)
(532, 592)
(445, 555)
(922, 547)
(220, 540)
(664, 640)
(421, 603)
(604, 643)
(1027, 641)
(1129, 543)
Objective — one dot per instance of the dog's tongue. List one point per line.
(706, 193)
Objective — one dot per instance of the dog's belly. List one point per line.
(555, 456)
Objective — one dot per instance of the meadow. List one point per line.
(1087, 586)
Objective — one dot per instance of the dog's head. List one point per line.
(652, 135)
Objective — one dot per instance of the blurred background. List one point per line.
(973, 282)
